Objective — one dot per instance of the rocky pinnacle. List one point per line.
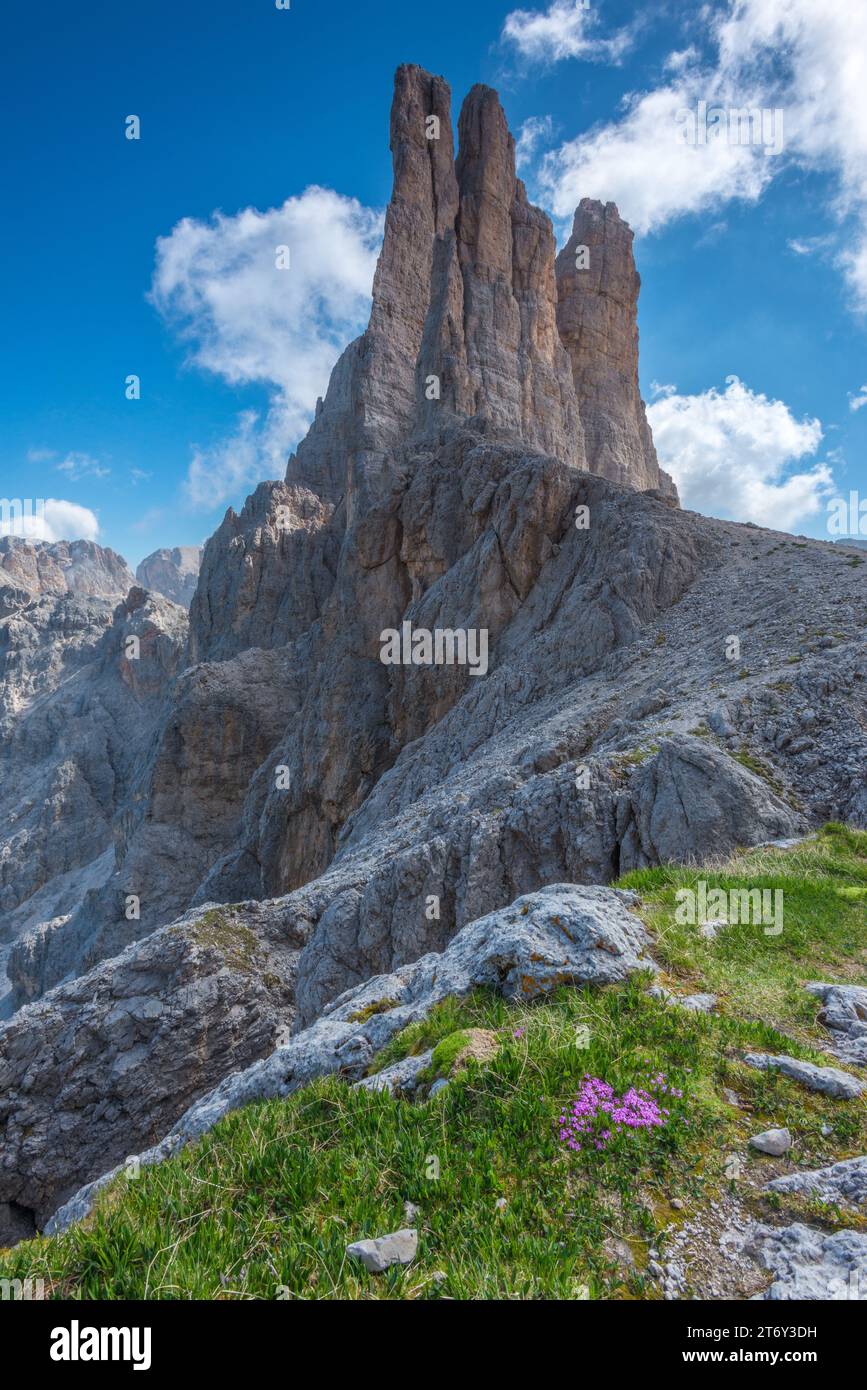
(470, 321)
(597, 288)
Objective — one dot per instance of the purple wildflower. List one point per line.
(598, 1114)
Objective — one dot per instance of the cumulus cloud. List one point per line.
(733, 453)
(567, 29)
(858, 399)
(218, 285)
(50, 519)
(807, 60)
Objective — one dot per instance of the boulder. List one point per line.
(772, 1141)
(841, 1184)
(844, 1014)
(400, 1078)
(693, 802)
(382, 1252)
(830, 1081)
(810, 1264)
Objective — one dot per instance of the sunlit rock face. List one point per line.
(597, 290)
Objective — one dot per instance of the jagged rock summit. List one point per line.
(474, 319)
(33, 569)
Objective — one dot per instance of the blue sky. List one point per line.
(144, 257)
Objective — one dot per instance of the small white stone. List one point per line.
(772, 1141)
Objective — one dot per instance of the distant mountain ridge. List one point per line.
(174, 572)
(31, 569)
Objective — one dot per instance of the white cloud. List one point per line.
(858, 399)
(536, 130)
(853, 262)
(76, 465)
(230, 465)
(681, 58)
(217, 283)
(564, 30)
(643, 164)
(52, 520)
(731, 454)
(807, 59)
(809, 245)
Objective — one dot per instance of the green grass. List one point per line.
(446, 1053)
(634, 758)
(218, 928)
(265, 1205)
(760, 977)
(380, 1006)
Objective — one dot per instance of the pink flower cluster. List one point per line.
(597, 1115)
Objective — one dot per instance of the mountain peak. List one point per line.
(471, 321)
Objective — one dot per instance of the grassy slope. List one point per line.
(271, 1198)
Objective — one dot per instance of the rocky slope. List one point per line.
(658, 686)
(83, 683)
(694, 1217)
(134, 1039)
(120, 1048)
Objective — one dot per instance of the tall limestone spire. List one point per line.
(469, 320)
(370, 405)
(491, 334)
(598, 287)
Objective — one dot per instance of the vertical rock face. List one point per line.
(491, 334)
(371, 400)
(266, 573)
(598, 286)
(83, 691)
(470, 321)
